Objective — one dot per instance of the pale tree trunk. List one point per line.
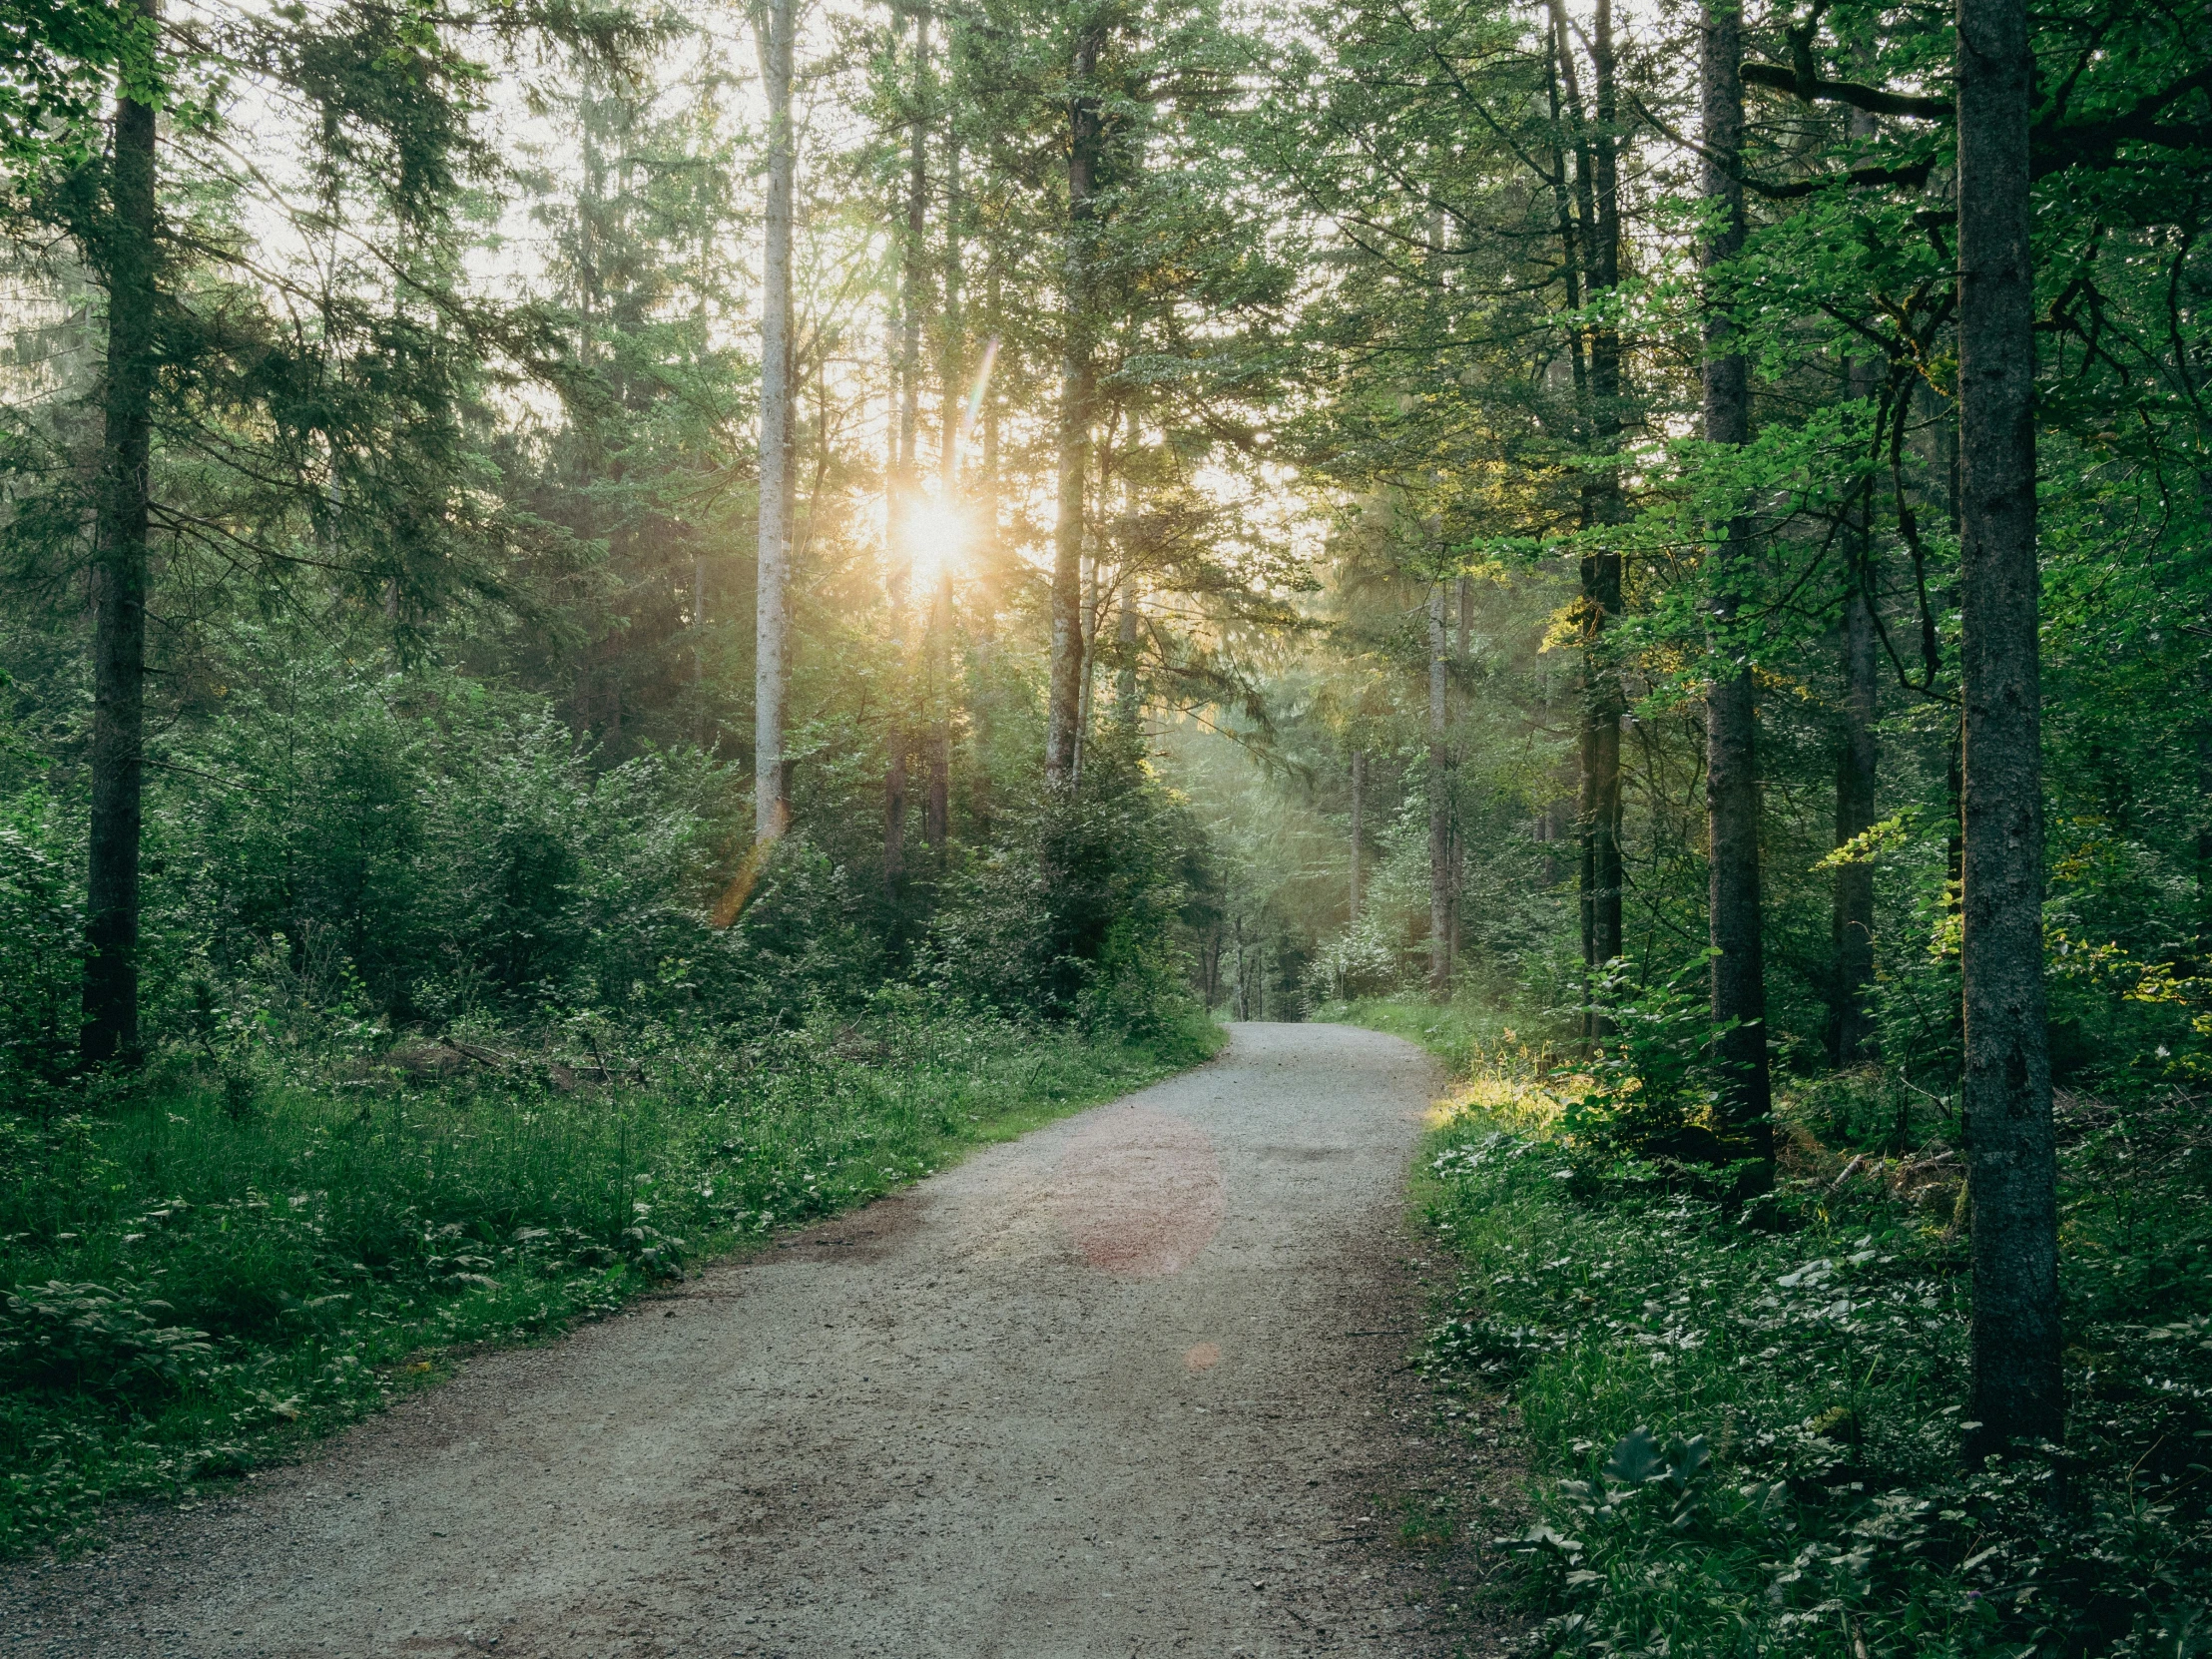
(120, 579)
(914, 273)
(2011, 1174)
(989, 414)
(912, 297)
(951, 370)
(1440, 802)
(1078, 393)
(1087, 687)
(936, 818)
(1739, 1001)
(1358, 824)
(771, 660)
(1126, 707)
(699, 650)
(1857, 757)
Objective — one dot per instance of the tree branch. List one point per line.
(1812, 89)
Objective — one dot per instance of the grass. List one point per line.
(1746, 1439)
(208, 1271)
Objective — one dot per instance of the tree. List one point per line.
(1078, 393)
(2016, 1385)
(126, 255)
(1439, 799)
(1738, 996)
(775, 23)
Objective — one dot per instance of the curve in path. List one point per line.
(1112, 1390)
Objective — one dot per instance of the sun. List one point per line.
(936, 535)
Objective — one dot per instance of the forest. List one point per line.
(627, 626)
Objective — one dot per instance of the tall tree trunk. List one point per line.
(1850, 1031)
(1590, 253)
(1126, 707)
(936, 817)
(953, 358)
(120, 576)
(989, 411)
(698, 649)
(1358, 823)
(937, 813)
(1078, 393)
(1738, 996)
(1440, 802)
(913, 298)
(982, 701)
(952, 361)
(2011, 1174)
(894, 807)
(914, 272)
(771, 649)
(1857, 756)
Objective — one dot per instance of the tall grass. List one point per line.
(209, 1269)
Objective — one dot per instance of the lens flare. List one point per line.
(936, 535)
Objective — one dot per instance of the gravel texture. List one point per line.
(1133, 1385)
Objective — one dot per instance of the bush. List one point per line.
(1748, 1442)
(442, 849)
(1074, 913)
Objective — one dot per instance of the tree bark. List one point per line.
(906, 466)
(1078, 395)
(1590, 252)
(938, 814)
(770, 637)
(1358, 823)
(120, 579)
(1857, 757)
(914, 273)
(952, 363)
(1126, 707)
(1739, 998)
(2011, 1174)
(894, 808)
(1440, 803)
(952, 372)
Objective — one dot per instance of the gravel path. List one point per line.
(1130, 1386)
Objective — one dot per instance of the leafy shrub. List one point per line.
(90, 1338)
(1749, 1443)
(1073, 914)
(1645, 1090)
(441, 848)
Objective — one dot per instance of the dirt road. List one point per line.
(1122, 1388)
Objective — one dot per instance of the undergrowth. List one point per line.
(210, 1267)
(1747, 1439)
